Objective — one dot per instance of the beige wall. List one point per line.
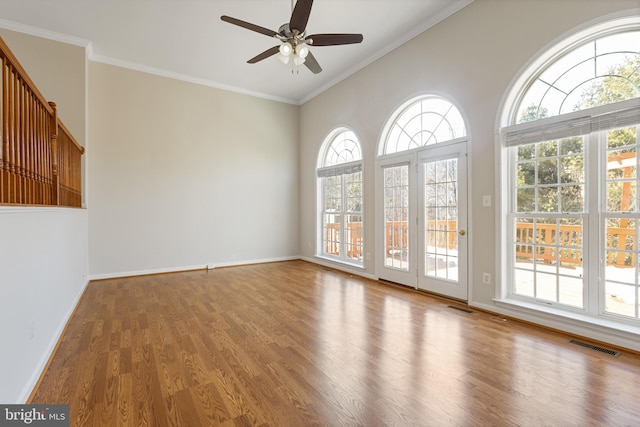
(183, 175)
(470, 58)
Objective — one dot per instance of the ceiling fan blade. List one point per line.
(312, 64)
(334, 39)
(264, 55)
(249, 26)
(300, 15)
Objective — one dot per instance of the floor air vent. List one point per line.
(466, 310)
(596, 348)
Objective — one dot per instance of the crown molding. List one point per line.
(46, 34)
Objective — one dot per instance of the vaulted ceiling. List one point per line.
(186, 38)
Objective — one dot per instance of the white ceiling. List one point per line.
(186, 38)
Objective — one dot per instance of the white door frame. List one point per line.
(412, 159)
(452, 288)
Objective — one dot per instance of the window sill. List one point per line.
(600, 329)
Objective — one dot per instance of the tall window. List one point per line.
(571, 159)
(340, 188)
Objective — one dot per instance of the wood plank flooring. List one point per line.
(294, 344)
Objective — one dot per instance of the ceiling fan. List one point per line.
(294, 42)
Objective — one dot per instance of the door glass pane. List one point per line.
(396, 214)
(441, 219)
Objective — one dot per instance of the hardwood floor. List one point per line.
(294, 344)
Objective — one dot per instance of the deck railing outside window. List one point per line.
(619, 239)
(40, 161)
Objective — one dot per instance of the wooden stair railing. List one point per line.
(40, 161)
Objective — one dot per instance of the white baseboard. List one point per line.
(145, 272)
(44, 359)
(249, 262)
(209, 266)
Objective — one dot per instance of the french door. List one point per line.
(424, 227)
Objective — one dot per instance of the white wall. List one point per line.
(183, 175)
(43, 251)
(470, 58)
(43, 270)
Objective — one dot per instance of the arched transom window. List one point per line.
(597, 72)
(423, 121)
(344, 148)
(340, 198)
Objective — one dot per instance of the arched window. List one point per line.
(420, 122)
(340, 191)
(570, 158)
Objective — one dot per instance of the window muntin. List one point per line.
(563, 209)
(340, 183)
(550, 176)
(344, 148)
(424, 121)
(579, 79)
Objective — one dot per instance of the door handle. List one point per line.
(462, 232)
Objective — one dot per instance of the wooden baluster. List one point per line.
(19, 141)
(38, 154)
(12, 140)
(33, 159)
(55, 189)
(16, 140)
(3, 138)
(60, 163)
(24, 144)
(8, 140)
(63, 167)
(16, 124)
(28, 147)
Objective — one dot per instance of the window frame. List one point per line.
(343, 170)
(595, 123)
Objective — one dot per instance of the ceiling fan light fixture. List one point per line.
(284, 59)
(302, 51)
(286, 49)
